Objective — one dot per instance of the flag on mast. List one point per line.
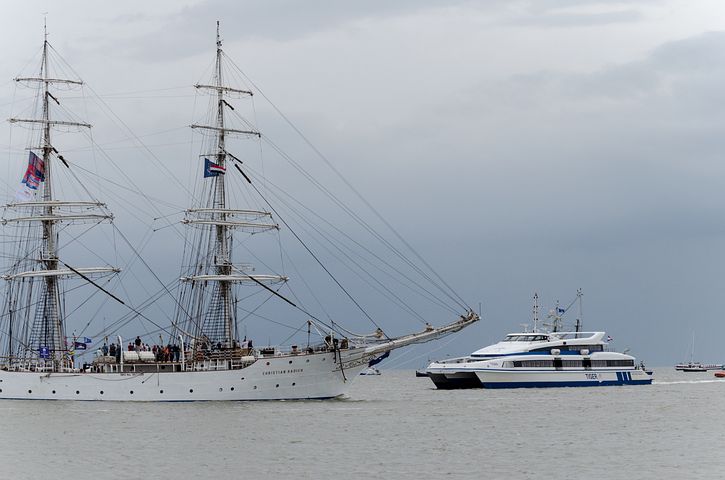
(211, 169)
(34, 174)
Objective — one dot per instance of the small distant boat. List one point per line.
(693, 366)
(421, 373)
(697, 367)
(720, 374)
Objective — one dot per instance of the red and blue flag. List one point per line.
(35, 173)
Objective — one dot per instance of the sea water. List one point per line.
(392, 426)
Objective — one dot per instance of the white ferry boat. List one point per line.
(560, 359)
(542, 359)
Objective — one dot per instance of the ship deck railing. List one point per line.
(15, 364)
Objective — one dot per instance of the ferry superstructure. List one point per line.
(557, 359)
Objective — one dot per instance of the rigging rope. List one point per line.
(319, 262)
(454, 296)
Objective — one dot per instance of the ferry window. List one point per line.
(533, 363)
(544, 349)
(571, 363)
(620, 363)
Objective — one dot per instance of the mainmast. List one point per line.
(218, 324)
(223, 261)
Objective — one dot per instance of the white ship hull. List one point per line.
(314, 376)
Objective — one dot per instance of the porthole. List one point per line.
(191, 390)
(53, 392)
(131, 392)
(1, 390)
(161, 391)
(294, 383)
(101, 392)
(78, 392)
(242, 378)
(276, 386)
(30, 391)
(323, 359)
(290, 362)
(255, 387)
(232, 389)
(221, 389)
(267, 363)
(308, 360)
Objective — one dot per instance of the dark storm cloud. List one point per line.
(179, 33)
(276, 20)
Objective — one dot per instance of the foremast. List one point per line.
(213, 322)
(45, 341)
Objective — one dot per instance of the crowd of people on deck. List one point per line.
(170, 352)
(162, 353)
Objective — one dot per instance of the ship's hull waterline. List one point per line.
(314, 376)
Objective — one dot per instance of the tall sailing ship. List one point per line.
(207, 358)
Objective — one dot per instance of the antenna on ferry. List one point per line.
(579, 296)
(557, 317)
(536, 312)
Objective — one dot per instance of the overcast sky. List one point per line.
(520, 146)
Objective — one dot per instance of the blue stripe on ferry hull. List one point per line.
(621, 380)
